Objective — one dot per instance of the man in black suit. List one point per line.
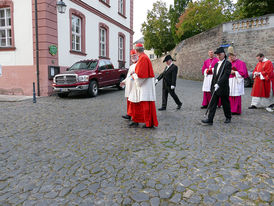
(169, 77)
(220, 87)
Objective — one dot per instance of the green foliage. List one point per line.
(157, 30)
(203, 15)
(174, 13)
(253, 8)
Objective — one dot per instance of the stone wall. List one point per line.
(248, 37)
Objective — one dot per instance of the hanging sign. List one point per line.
(53, 50)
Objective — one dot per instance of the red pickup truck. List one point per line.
(88, 76)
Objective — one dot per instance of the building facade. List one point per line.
(87, 30)
(149, 53)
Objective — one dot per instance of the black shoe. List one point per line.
(162, 109)
(179, 106)
(252, 107)
(144, 126)
(126, 117)
(234, 113)
(133, 124)
(203, 107)
(227, 120)
(207, 122)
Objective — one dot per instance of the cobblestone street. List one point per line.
(79, 151)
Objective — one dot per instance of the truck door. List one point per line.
(103, 73)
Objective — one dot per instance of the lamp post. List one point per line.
(61, 8)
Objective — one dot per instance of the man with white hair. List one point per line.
(142, 101)
(236, 82)
(128, 82)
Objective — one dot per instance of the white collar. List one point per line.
(221, 61)
(170, 64)
(265, 59)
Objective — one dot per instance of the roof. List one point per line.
(141, 40)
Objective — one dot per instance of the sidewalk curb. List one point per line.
(14, 98)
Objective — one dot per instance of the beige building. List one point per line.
(149, 53)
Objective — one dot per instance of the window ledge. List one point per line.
(106, 4)
(78, 53)
(122, 15)
(7, 48)
(101, 57)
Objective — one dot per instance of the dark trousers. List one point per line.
(165, 92)
(213, 106)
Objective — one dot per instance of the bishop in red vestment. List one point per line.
(261, 93)
(142, 100)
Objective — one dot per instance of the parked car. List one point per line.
(88, 76)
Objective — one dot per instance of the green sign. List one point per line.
(53, 50)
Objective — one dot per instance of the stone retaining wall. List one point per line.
(248, 36)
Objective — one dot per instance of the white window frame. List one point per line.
(103, 42)
(76, 34)
(121, 48)
(121, 7)
(7, 28)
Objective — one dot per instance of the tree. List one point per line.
(174, 13)
(253, 8)
(157, 30)
(201, 16)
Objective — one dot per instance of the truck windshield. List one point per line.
(84, 65)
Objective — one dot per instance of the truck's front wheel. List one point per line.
(93, 89)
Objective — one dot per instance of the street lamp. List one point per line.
(61, 8)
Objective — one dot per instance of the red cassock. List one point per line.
(144, 111)
(261, 88)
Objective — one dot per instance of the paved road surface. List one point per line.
(78, 151)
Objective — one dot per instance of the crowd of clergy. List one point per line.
(223, 86)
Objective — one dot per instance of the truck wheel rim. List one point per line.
(94, 89)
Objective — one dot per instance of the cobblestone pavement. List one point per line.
(78, 151)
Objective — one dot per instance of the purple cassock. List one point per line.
(236, 85)
(209, 65)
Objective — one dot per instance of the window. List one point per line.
(6, 25)
(151, 56)
(76, 33)
(103, 41)
(121, 7)
(121, 48)
(103, 36)
(105, 2)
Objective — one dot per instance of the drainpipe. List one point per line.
(37, 49)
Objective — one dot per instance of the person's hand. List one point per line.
(216, 86)
(172, 87)
(232, 72)
(122, 84)
(256, 74)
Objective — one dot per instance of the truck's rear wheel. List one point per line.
(62, 95)
(118, 85)
(93, 89)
